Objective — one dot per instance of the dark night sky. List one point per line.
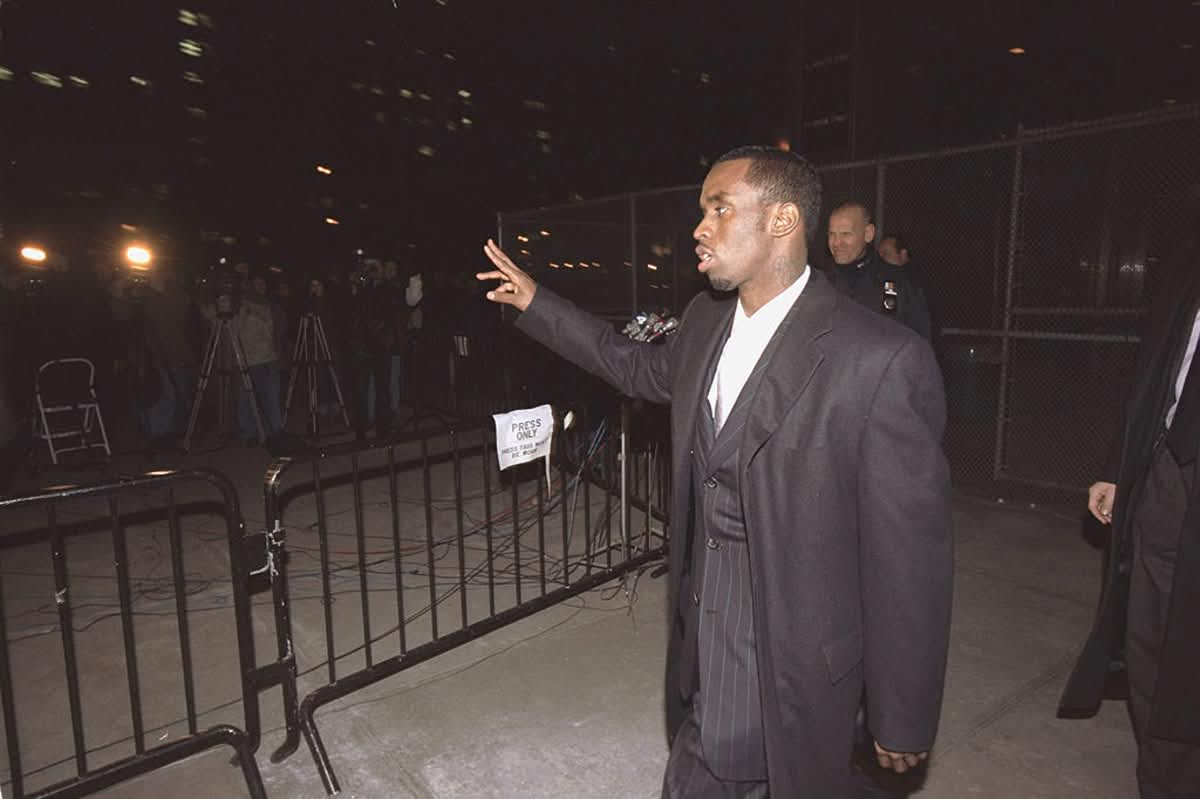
(639, 94)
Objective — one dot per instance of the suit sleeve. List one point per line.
(637, 369)
(906, 556)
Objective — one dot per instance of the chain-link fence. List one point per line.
(1037, 254)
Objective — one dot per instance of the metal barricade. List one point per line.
(94, 525)
(432, 573)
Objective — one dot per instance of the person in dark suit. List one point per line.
(1148, 623)
(811, 544)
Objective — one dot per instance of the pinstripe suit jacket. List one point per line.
(845, 495)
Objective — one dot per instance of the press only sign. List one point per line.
(524, 435)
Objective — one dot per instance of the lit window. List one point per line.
(466, 122)
(542, 135)
(329, 220)
(463, 93)
(47, 79)
(196, 112)
(6, 73)
(426, 151)
(448, 56)
(138, 80)
(376, 90)
(407, 94)
(424, 96)
(77, 82)
(369, 42)
(192, 77)
(533, 105)
(705, 77)
(188, 18)
(191, 47)
(451, 125)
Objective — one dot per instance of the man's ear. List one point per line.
(870, 232)
(786, 220)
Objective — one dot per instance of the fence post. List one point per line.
(633, 259)
(880, 190)
(1014, 222)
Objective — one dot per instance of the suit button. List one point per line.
(711, 543)
(710, 482)
(695, 598)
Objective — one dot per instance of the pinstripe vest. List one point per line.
(728, 703)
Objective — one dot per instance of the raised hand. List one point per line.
(516, 288)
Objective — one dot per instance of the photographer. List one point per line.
(257, 323)
(371, 335)
(170, 328)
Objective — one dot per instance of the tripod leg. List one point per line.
(206, 367)
(248, 385)
(297, 359)
(324, 355)
(310, 374)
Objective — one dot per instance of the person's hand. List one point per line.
(516, 288)
(898, 762)
(1100, 500)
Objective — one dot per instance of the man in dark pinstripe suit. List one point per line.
(811, 553)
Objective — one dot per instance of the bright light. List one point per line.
(1016, 50)
(463, 93)
(138, 256)
(652, 267)
(324, 170)
(33, 254)
(191, 47)
(329, 220)
(544, 234)
(78, 82)
(128, 228)
(523, 238)
(6, 73)
(47, 79)
(138, 80)
(784, 144)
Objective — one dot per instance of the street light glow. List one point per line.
(1016, 50)
(33, 254)
(329, 220)
(324, 170)
(138, 256)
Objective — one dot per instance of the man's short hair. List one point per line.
(848, 205)
(782, 176)
(900, 241)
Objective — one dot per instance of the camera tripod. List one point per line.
(222, 331)
(311, 353)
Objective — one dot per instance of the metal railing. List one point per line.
(426, 574)
(42, 530)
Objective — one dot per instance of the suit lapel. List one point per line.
(793, 360)
(693, 388)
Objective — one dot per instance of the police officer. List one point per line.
(860, 273)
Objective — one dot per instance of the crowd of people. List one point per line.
(155, 335)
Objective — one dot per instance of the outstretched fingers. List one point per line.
(516, 288)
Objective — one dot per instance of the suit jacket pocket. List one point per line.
(842, 655)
